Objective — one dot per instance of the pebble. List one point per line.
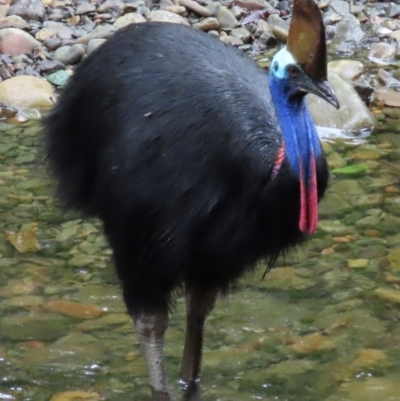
(180, 10)
(241, 33)
(15, 31)
(28, 9)
(207, 24)
(341, 7)
(349, 29)
(15, 45)
(231, 40)
(127, 19)
(13, 21)
(74, 309)
(388, 295)
(53, 43)
(75, 396)
(94, 44)
(381, 52)
(226, 19)
(70, 54)
(347, 69)
(167, 16)
(85, 8)
(196, 7)
(311, 343)
(27, 92)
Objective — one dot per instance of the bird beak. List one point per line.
(321, 89)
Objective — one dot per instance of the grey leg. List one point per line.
(151, 329)
(199, 303)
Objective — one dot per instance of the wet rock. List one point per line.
(74, 309)
(335, 160)
(284, 278)
(289, 368)
(74, 352)
(127, 19)
(347, 69)
(225, 18)
(166, 16)
(371, 389)
(27, 92)
(24, 327)
(388, 295)
(341, 7)
(353, 115)
(311, 343)
(100, 32)
(278, 27)
(366, 360)
(394, 259)
(28, 10)
(348, 187)
(393, 11)
(335, 204)
(69, 55)
(25, 301)
(85, 8)
(75, 396)
(381, 52)
(357, 263)
(13, 21)
(105, 322)
(26, 239)
(349, 29)
(94, 44)
(207, 24)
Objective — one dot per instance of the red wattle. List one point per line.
(308, 199)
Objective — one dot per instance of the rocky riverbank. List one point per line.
(41, 41)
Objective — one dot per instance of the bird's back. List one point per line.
(170, 137)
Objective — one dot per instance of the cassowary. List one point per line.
(198, 162)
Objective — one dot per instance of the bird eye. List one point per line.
(293, 71)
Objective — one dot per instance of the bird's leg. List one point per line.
(199, 303)
(151, 329)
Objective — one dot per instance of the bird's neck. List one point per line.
(302, 148)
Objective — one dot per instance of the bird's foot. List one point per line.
(192, 390)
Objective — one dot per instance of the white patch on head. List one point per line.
(283, 58)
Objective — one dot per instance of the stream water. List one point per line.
(325, 326)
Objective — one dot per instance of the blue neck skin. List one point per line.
(299, 133)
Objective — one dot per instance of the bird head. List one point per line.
(301, 65)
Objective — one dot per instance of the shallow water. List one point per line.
(323, 327)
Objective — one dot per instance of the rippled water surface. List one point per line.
(323, 327)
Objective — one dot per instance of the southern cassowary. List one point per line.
(198, 162)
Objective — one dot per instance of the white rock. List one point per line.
(127, 19)
(353, 114)
(167, 16)
(27, 92)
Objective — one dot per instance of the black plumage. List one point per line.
(170, 138)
